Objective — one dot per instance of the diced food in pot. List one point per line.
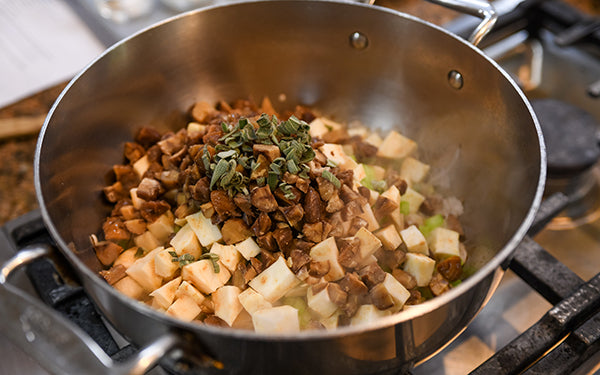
(242, 220)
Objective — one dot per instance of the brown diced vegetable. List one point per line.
(450, 268)
(147, 136)
(352, 284)
(263, 199)
(349, 251)
(405, 278)
(114, 274)
(261, 225)
(313, 232)
(151, 211)
(318, 269)
(223, 204)
(312, 206)
(283, 236)
(115, 230)
(372, 274)
(336, 294)
(299, 260)
(149, 189)
(438, 284)
(383, 207)
(271, 152)
(235, 230)
(380, 297)
(107, 252)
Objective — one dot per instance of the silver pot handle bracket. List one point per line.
(57, 344)
(478, 8)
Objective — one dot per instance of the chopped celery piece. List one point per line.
(430, 224)
(455, 283)
(404, 207)
(299, 304)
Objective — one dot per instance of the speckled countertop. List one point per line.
(17, 193)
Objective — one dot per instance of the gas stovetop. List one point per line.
(550, 297)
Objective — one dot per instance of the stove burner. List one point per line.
(571, 137)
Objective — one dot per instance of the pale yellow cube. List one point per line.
(162, 227)
(396, 146)
(413, 170)
(143, 271)
(321, 126)
(141, 166)
(203, 276)
(398, 292)
(321, 303)
(129, 287)
(389, 237)
(228, 255)
(374, 139)
(444, 242)
(126, 258)
(187, 289)
(335, 153)
(206, 232)
(420, 266)
(165, 295)
(227, 304)
(248, 248)
(275, 281)
(369, 216)
(327, 251)
(147, 241)
(367, 314)
(184, 308)
(414, 240)
(280, 319)
(186, 242)
(369, 243)
(253, 301)
(194, 127)
(414, 199)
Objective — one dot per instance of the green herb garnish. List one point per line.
(331, 178)
(214, 258)
(183, 260)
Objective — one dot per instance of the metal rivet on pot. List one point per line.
(359, 40)
(455, 79)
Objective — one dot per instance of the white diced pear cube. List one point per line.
(228, 255)
(206, 232)
(187, 289)
(414, 199)
(414, 240)
(253, 301)
(413, 170)
(141, 166)
(135, 200)
(369, 216)
(147, 241)
(130, 288)
(368, 313)
(248, 248)
(331, 323)
(203, 276)
(184, 308)
(165, 295)
(143, 271)
(444, 242)
(327, 251)
(321, 126)
(162, 227)
(369, 243)
(389, 237)
(275, 281)
(396, 146)
(320, 303)
(374, 139)
(164, 265)
(335, 153)
(126, 258)
(186, 242)
(420, 266)
(280, 319)
(398, 292)
(227, 305)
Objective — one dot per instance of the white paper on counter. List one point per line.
(42, 43)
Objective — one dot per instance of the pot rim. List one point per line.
(414, 311)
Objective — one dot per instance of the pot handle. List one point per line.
(57, 344)
(478, 8)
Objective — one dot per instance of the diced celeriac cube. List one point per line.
(194, 127)
(414, 240)
(206, 232)
(327, 251)
(321, 126)
(141, 166)
(184, 308)
(373, 197)
(228, 255)
(129, 287)
(393, 194)
(165, 295)
(203, 276)
(280, 319)
(413, 170)
(331, 323)
(164, 265)
(275, 281)
(186, 242)
(162, 227)
(248, 248)
(253, 301)
(335, 153)
(369, 216)
(420, 266)
(187, 289)
(444, 242)
(398, 292)
(389, 237)
(369, 243)
(414, 199)
(147, 241)
(374, 139)
(320, 303)
(359, 172)
(135, 200)
(357, 130)
(396, 146)
(368, 313)
(126, 258)
(227, 305)
(143, 271)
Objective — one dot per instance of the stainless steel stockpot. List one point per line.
(350, 61)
